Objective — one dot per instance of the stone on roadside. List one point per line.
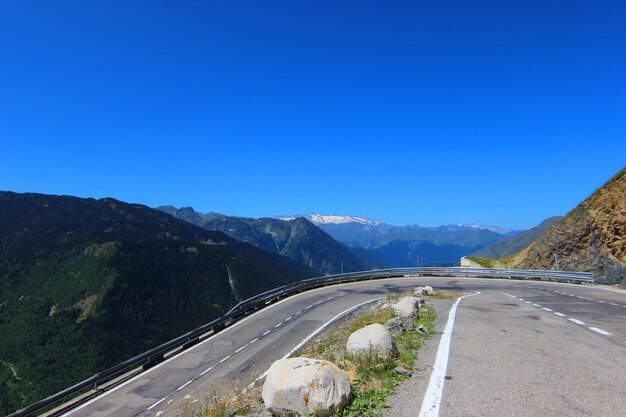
(396, 326)
(427, 290)
(305, 386)
(404, 308)
(375, 339)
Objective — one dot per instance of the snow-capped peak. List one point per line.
(333, 219)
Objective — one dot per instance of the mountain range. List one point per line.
(296, 238)
(85, 284)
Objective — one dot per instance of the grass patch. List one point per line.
(484, 262)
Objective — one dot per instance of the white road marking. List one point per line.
(278, 325)
(577, 321)
(306, 308)
(288, 318)
(225, 359)
(253, 340)
(604, 332)
(319, 302)
(432, 398)
(206, 370)
(559, 314)
(547, 309)
(184, 385)
(240, 349)
(613, 304)
(528, 302)
(156, 403)
(298, 312)
(521, 299)
(536, 305)
(600, 301)
(266, 333)
(315, 333)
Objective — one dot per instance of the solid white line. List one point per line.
(577, 321)
(604, 332)
(559, 314)
(253, 340)
(156, 403)
(184, 385)
(240, 349)
(547, 309)
(225, 359)
(206, 370)
(432, 398)
(266, 333)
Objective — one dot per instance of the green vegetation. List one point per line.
(484, 262)
(85, 284)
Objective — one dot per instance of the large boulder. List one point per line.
(404, 308)
(374, 338)
(417, 302)
(305, 386)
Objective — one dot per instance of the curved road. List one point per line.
(544, 348)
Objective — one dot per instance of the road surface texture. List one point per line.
(519, 348)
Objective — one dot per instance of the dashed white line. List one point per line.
(184, 385)
(582, 323)
(547, 309)
(156, 403)
(278, 325)
(298, 312)
(528, 302)
(288, 318)
(521, 299)
(253, 340)
(536, 305)
(240, 349)
(306, 308)
(225, 359)
(600, 301)
(559, 314)
(603, 332)
(266, 333)
(613, 304)
(206, 370)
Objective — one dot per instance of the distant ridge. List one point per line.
(296, 238)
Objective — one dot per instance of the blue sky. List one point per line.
(411, 112)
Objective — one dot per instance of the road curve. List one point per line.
(245, 350)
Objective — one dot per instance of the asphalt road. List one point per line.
(495, 331)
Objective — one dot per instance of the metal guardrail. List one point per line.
(109, 378)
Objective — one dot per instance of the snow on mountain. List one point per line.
(495, 229)
(333, 219)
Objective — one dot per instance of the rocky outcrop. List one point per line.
(398, 325)
(427, 290)
(305, 386)
(592, 237)
(375, 339)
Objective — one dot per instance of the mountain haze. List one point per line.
(517, 242)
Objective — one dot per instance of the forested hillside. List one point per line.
(87, 283)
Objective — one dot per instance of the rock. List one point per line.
(405, 309)
(427, 290)
(374, 338)
(422, 329)
(395, 326)
(384, 306)
(403, 371)
(305, 386)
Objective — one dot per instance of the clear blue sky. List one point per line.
(426, 112)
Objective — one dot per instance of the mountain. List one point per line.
(504, 231)
(85, 284)
(396, 246)
(296, 238)
(517, 242)
(592, 237)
